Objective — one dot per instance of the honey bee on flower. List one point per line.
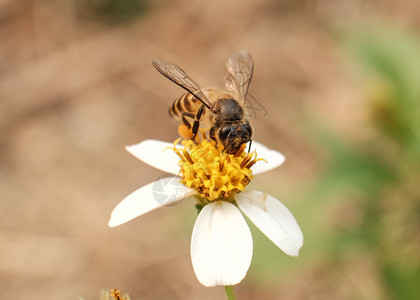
(219, 110)
(216, 178)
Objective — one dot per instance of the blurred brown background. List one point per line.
(76, 86)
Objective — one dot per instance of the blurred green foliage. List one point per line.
(393, 57)
(380, 173)
(117, 12)
(365, 204)
(391, 212)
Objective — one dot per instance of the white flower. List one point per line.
(221, 244)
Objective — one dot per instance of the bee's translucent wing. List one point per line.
(239, 69)
(178, 76)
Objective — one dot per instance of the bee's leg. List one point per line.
(184, 119)
(212, 133)
(196, 123)
(249, 148)
(184, 129)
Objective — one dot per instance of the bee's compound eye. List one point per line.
(248, 129)
(224, 133)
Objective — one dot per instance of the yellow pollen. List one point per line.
(213, 173)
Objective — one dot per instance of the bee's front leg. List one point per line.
(250, 143)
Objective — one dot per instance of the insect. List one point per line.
(220, 111)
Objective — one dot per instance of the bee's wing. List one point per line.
(178, 76)
(239, 68)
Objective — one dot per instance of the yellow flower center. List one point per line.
(213, 173)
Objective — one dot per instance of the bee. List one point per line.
(221, 111)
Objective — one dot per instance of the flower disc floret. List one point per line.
(213, 173)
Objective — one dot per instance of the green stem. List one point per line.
(229, 292)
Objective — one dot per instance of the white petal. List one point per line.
(164, 191)
(273, 219)
(153, 153)
(221, 245)
(274, 158)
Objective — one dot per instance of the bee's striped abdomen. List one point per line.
(186, 103)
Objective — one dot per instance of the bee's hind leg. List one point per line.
(184, 129)
(184, 118)
(196, 123)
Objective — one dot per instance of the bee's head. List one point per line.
(233, 136)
